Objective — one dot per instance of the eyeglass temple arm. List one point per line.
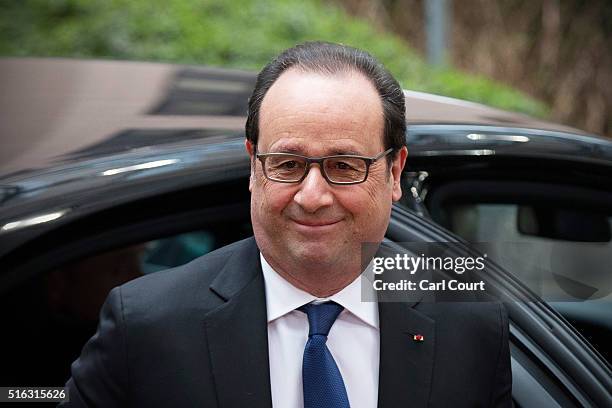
(383, 154)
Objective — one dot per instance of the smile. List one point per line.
(315, 223)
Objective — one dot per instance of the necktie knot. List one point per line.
(321, 317)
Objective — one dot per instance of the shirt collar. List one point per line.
(282, 297)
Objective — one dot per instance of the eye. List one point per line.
(285, 164)
(289, 164)
(343, 166)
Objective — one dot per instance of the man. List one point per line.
(277, 320)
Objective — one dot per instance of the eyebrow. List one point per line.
(294, 149)
(345, 152)
(299, 150)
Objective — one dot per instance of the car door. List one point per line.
(542, 200)
(552, 364)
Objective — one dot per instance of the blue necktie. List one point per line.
(322, 381)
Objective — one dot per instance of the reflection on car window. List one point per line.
(177, 250)
(78, 290)
(564, 256)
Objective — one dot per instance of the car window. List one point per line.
(564, 255)
(62, 305)
(176, 250)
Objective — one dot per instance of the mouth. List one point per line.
(316, 223)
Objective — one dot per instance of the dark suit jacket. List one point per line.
(196, 336)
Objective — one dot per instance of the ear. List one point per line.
(250, 148)
(396, 172)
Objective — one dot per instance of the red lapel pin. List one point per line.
(418, 337)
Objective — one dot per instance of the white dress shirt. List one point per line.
(354, 341)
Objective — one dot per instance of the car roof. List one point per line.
(428, 108)
(55, 110)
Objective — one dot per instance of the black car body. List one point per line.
(102, 157)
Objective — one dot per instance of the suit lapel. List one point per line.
(237, 337)
(406, 365)
(237, 333)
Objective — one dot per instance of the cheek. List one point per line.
(378, 192)
(369, 203)
(270, 198)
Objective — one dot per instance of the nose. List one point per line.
(314, 192)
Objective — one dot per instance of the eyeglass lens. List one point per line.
(337, 169)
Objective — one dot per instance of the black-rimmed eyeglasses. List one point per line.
(338, 169)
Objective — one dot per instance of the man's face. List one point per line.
(314, 224)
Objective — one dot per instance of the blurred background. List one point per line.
(547, 58)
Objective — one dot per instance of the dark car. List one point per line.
(111, 170)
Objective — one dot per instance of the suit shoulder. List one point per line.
(483, 317)
(490, 308)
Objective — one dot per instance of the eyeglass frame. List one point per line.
(310, 160)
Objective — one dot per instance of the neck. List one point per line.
(317, 279)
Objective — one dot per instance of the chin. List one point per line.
(318, 253)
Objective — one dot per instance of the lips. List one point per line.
(316, 223)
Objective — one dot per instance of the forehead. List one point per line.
(305, 111)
